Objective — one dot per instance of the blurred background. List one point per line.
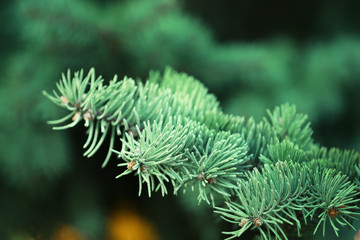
(252, 55)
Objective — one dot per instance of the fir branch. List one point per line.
(123, 106)
(156, 153)
(283, 151)
(218, 161)
(284, 191)
(345, 161)
(288, 124)
(269, 199)
(336, 199)
(172, 131)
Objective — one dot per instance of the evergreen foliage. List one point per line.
(266, 175)
(39, 178)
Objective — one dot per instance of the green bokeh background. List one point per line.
(252, 55)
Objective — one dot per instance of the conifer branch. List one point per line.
(268, 174)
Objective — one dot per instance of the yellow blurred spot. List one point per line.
(357, 235)
(128, 225)
(66, 232)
